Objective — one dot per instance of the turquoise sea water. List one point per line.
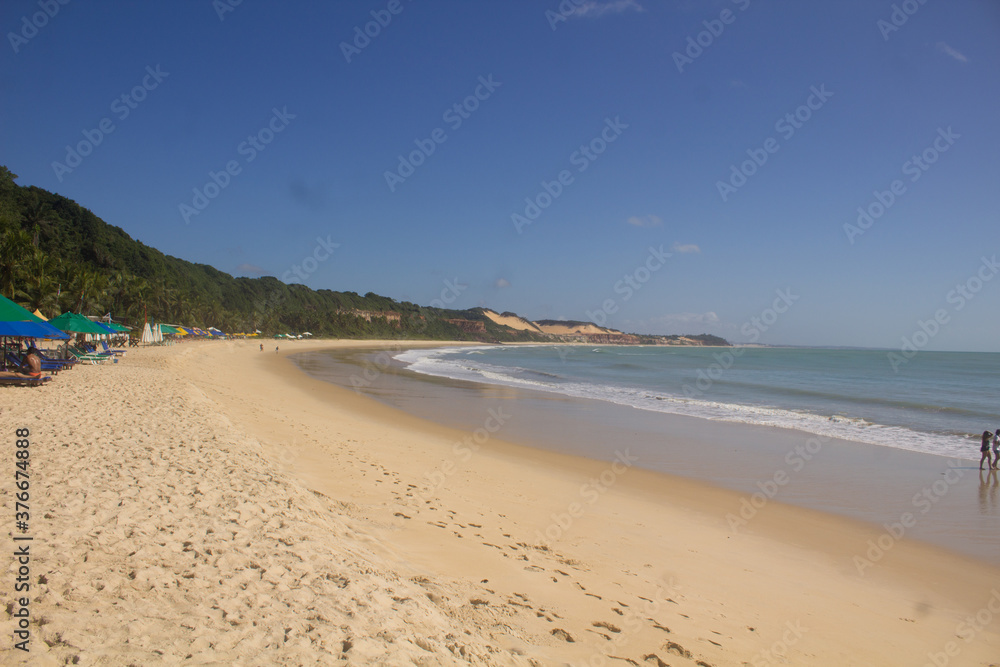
(936, 402)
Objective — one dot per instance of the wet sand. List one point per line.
(952, 504)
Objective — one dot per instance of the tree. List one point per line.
(15, 248)
(41, 283)
(39, 218)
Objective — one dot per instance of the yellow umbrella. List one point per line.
(39, 314)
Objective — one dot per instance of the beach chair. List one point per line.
(118, 353)
(46, 365)
(87, 348)
(14, 380)
(87, 358)
(69, 363)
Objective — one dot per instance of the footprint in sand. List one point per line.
(673, 647)
(658, 626)
(606, 626)
(559, 633)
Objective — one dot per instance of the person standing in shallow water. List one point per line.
(996, 450)
(985, 449)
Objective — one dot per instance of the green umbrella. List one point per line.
(118, 327)
(11, 312)
(74, 323)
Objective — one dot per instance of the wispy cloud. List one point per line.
(595, 9)
(689, 318)
(687, 248)
(250, 268)
(947, 50)
(501, 283)
(644, 221)
(680, 323)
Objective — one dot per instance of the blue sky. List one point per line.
(618, 98)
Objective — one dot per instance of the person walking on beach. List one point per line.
(996, 450)
(262, 347)
(276, 349)
(985, 449)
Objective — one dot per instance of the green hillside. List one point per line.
(57, 256)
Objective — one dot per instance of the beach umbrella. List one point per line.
(11, 312)
(19, 322)
(75, 323)
(39, 315)
(147, 334)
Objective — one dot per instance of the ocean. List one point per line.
(934, 403)
(839, 431)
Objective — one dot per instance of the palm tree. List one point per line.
(137, 295)
(41, 282)
(88, 286)
(39, 216)
(117, 286)
(177, 303)
(15, 248)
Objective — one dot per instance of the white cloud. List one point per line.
(947, 50)
(644, 221)
(501, 283)
(685, 248)
(594, 9)
(680, 324)
(250, 268)
(708, 318)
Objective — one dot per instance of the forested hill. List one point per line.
(56, 256)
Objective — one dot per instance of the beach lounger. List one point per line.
(12, 379)
(119, 353)
(69, 363)
(90, 349)
(87, 358)
(46, 365)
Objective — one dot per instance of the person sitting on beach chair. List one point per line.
(32, 365)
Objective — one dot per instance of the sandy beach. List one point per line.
(207, 503)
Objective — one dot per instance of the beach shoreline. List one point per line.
(952, 506)
(647, 571)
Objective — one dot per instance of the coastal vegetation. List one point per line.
(58, 256)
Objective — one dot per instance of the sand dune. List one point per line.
(211, 503)
(514, 322)
(571, 328)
